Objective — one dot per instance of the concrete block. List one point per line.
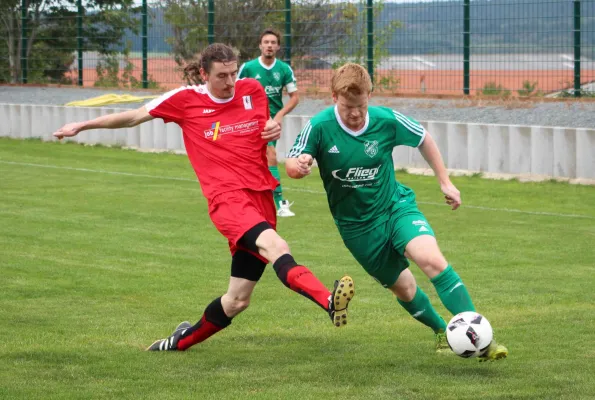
(15, 120)
(477, 147)
(6, 117)
(457, 146)
(498, 149)
(146, 135)
(25, 130)
(585, 154)
(439, 131)
(520, 149)
(542, 150)
(564, 145)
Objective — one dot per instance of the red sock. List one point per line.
(301, 280)
(198, 333)
(212, 321)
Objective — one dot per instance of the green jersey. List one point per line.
(357, 168)
(273, 79)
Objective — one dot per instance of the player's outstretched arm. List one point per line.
(300, 167)
(429, 150)
(126, 119)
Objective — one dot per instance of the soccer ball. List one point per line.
(469, 334)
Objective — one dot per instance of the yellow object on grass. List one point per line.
(109, 99)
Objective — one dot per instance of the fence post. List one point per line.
(24, 41)
(370, 62)
(466, 45)
(577, 48)
(145, 45)
(211, 21)
(288, 31)
(79, 39)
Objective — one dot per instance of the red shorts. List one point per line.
(236, 212)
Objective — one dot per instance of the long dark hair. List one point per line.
(216, 52)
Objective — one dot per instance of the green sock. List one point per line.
(421, 309)
(278, 192)
(452, 291)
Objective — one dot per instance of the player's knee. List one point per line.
(236, 306)
(278, 248)
(407, 291)
(405, 287)
(432, 264)
(271, 245)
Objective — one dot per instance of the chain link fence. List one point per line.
(482, 47)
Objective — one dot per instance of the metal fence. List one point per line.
(486, 47)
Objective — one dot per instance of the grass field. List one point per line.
(104, 250)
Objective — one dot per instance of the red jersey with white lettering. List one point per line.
(221, 136)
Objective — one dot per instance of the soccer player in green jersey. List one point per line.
(377, 216)
(274, 75)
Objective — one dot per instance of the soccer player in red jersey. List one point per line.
(226, 127)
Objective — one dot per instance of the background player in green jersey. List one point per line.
(377, 217)
(274, 75)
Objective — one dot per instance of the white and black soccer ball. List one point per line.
(469, 334)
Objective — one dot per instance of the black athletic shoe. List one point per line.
(170, 343)
(342, 294)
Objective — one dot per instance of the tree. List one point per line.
(239, 23)
(52, 34)
(355, 46)
(318, 27)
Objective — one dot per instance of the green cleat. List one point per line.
(442, 347)
(494, 352)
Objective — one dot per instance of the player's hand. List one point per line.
(68, 130)
(451, 194)
(304, 164)
(272, 131)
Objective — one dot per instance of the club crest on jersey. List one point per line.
(248, 102)
(371, 148)
(277, 76)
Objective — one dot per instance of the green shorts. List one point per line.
(381, 249)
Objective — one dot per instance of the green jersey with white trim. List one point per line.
(357, 168)
(272, 78)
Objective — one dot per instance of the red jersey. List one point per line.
(221, 136)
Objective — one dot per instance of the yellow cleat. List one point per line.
(494, 352)
(341, 296)
(442, 347)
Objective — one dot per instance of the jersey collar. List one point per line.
(217, 99)
(346, 129)
(263, 65)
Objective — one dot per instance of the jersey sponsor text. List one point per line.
(357, 174)
(238, 128)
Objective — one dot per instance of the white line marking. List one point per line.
(99, 171)
(421, 60)
(173, 178)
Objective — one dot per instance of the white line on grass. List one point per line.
(100, 171)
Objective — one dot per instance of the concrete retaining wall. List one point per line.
(505, 149)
